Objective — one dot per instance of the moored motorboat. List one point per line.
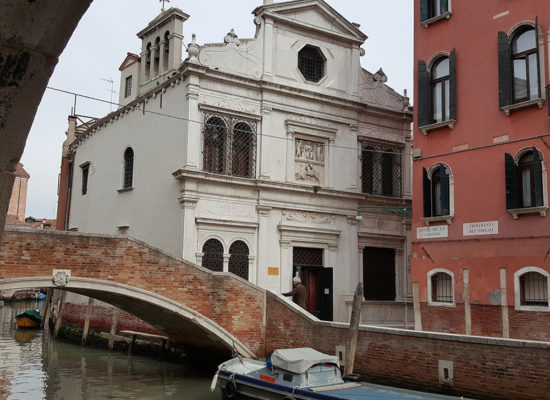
(28, 319)
(299, 374)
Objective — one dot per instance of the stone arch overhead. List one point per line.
(435, 166)
(436, 57)
(215, 237)
(134, 299)
(520, 25)
(524, 150)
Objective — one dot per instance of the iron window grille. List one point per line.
(213, 255)
(128, 168)
(307, 257)
(229, 146)
(442, 288)
(311, 64)
(533, 289)
(381, 170)
(238, 259)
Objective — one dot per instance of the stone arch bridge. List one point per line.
(192, 305)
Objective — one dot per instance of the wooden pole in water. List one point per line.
(59, 313)
(354, 328)
(46, 309)
(87, 321)
(113, 329)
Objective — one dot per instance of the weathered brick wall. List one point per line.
(443, 319)
(101, 318)
(233, 304)
(484, 368)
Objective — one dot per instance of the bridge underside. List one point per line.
(190, 330)
(185, 332)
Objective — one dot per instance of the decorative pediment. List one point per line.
(314, 15)
(375, 92)
(130, 59)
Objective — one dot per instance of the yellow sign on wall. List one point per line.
(273, 271)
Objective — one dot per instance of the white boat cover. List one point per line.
(300, 360)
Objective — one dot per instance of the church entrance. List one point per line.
(308, 265)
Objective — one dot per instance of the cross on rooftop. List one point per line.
(163, 1)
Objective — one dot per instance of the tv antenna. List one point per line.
(163, 1)
(112, 91)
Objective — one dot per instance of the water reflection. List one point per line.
(33, 366)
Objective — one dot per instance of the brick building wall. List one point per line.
(483, 368)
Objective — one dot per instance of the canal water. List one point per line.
(33, 366)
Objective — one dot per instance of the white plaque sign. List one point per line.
(480, 228)
(439, 231)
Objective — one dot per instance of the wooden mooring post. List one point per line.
(87, 321)
(59, 314)
(354, 328)
(112, 333)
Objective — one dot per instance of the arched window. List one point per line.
(524, 180)
(442, 288)
(148, 56)
(440, 90)
(242, 150)
(525, 65)
(167, 42)
(238, 259)
(436, 190)
(215, 133)
(213, 255)
(128, 168)
(531, 289)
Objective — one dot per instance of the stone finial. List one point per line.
(232, 37)
(193, 48)
(380, 76)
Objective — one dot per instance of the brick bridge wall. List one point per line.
(484, 368)
(219, 297)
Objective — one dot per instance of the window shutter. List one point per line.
(444, 6)
(427, 190)
(424, 95)
(537, 172)
(452, 84)
(444, 180)
(504, 71)
(538, 54)
(512, 190)
(424, 10)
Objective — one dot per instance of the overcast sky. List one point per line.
(108, 31)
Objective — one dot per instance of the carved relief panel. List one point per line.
(309, 161)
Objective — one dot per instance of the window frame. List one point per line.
(517, 289)
(375, 153)
(85, 175)
(430, 275)
(524, 55)
(507, 103)
(128, 86)
(425, 109)
(427, 14)
(322, 60)
(538, 184)
(428, 193)
(228, 145)
(128, 170)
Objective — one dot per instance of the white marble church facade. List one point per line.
(254, 156)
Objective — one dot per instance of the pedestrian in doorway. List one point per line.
(298, 293)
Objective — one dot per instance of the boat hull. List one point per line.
(27, 323)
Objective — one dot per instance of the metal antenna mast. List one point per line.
(163, 1)
(112, 90)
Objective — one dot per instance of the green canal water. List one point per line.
(33, 366)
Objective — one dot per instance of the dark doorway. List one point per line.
(308, 264)
(379, 273)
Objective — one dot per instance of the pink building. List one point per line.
(481, 234)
